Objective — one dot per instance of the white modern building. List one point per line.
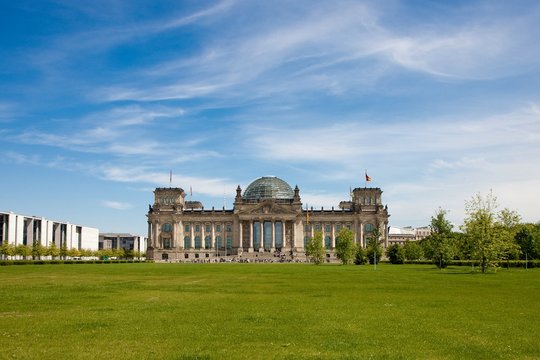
(122, 241)
(397, 235)
(19, 229)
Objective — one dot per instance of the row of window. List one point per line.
(167, 228)
(338, 227)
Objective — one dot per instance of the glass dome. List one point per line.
(268, 187)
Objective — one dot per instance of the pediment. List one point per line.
(268, 207)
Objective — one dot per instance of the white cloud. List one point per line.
(117, 205)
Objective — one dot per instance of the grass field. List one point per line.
(267, 311)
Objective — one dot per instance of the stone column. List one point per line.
(261, 235)
(283, 240)
(362, 241)
(192, 238)
(181, 235)
(203, 236)
(333, 243)
(173, 235)
(150, 237)
(213, 236)
(273, 243)
(356, 231)
(240, 233)
(250, 236)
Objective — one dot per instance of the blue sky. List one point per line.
(100, 100)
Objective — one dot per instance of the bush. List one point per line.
(395, 254)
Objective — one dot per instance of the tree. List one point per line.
(345, 246)
(37, 250)
(374, 249)
(53, 251)
(63, 251)
(73, 252)
(7, 249)
(395, 254)
(490, 239)
(528, 240)
(314, 249)
(439, 246)
(360, 257)
(412, 250)
(23, 250)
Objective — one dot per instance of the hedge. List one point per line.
(67, 262)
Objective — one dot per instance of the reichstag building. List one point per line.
(266, 221)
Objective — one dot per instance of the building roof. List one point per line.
(268, 187)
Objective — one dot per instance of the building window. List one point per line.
(218, 228)
(187, 228)
(208, 228)
(197, 242)
(328, 242)
(207, 242)
(229, 242)
(166, 243)
(368, 227)
(307, 228)
(197, 228)
(306, 239)
(229, 228)
(318, 227)
(218, 242)
(338, 227)
(166, 228)
(187, 242)
(328, 228)
(186, 256)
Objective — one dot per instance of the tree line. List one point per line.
(487, 237)
(38, 251)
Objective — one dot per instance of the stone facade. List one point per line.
(267, 221)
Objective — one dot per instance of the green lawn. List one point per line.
(267, 311)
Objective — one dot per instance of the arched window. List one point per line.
(219, 245)
(166, 227)
(207, 242)
(368, 227)
(328, 242)
(197, 242)
(187, 242)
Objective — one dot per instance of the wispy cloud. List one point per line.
(117, 205)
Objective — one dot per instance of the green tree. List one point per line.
(63, 251)
(53, 251)
(412, 250)
(439, 246)
(73, 252)
(23, 250)
(395, 254)
(314, 249)
(491, 240)
(345, 246)
(360, 257)
(7, 250)
(374, 250)
(528, 239)
(37, 250)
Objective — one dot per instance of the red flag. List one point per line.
(368, 178)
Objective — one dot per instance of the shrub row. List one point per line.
(57, 262)
(503, 264)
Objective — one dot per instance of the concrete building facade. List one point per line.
(397, 235)
(124, 241)
(268, 219)
(18, 229)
